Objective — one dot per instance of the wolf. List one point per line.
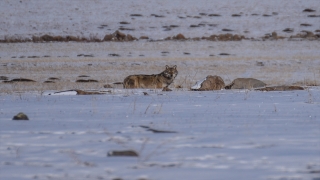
(153, 81)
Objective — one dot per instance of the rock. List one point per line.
(48, 82)
(305, 24)
(36, 39)
(108, 37)
(166, 89)
(236, 15)
(179, 37)
(73, 38)
(259, 63)
(305, 34)
(236, 37)
(119, 35)
(212, 37)
(129, 153)
(22, 80)
(129, 37)
(136, 15)
(245, 83)
(114, 55)
(193, 26)
(83, 76)
(216, 15)
(107, 86)
(4, 78)
(83, 39)
(144, 37)
(53, 78)
(224, 54)
(174, 26)
(20, 116)
(158, 16)
(308, 10)
(209, 83)
(288, 30)
(309, 34)
(46, 37)
(58, 38)
(296, 36)
(86, 80)
(274, 35)
(225, 37)
(227, 29)
(156, 130)
(313, 15)
(124, 22)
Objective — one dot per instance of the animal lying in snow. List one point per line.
(209, 83)
(245, 83)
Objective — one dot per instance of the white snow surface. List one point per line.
(219, 134)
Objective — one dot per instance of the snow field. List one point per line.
(225, 134)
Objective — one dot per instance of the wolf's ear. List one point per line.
(175, 66)
(167, 67)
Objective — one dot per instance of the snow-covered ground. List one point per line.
(221, 135)
(226, 134)
(25, 18)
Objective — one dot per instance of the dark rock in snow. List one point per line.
(128, 153)
(20, 116)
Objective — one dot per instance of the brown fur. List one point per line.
(211, 83)
(245, 83)
(80, 92)
(154, 81)
(281, 88)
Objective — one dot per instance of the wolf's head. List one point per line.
(170, 72)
